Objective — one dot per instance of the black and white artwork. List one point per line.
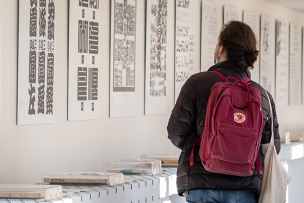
(156, 57)
(295, 64)
(230, 13)
(209, 33)
(124, 46)
(36, 61)
(122, 62)
(267, 53)
(84, 32)
(184, 42)
(302, 91)
(281, 73)
(252, 19)
(1, 16)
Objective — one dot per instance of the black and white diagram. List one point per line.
(281, 77)
(122, 68)
(184, 44)
(252, 19)
(36, 61)
(230, 13)
(84, 31)
(156, 57)
(294, 64)
(209, 34)
(266, 52)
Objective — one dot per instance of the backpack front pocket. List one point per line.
(234, 144)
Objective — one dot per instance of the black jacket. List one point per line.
(189, 113)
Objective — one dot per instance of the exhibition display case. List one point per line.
(167, 159)
(131, 166)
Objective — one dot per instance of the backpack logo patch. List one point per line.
(239, 117)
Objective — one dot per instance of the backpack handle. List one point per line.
(246, 84)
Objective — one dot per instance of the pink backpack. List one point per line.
(233, 128)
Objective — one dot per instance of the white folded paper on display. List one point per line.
(130, 166)
(84, 177)
(30, 191)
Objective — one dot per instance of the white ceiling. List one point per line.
(292, 4)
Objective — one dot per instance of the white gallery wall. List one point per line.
(28, 151)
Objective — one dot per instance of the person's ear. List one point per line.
(221, 50)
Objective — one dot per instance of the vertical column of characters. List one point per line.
(83, 32)
(182, 41)
(42, 56)
(124, 46)
(93, 86)
(93, 51)
(158, 46)
(88, 44)
(265, 69)
(118, 45)
(191, 38)
(32, 56)
(50, 58)
(130, 28)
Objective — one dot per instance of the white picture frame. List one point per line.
(252, 19)
(281, 73)
(84, 60)
(267, 53)
(294, 64)
(156, 57)
(230, 13)
(185, 40)
(209, 33)
(36, 62)
(122, 63)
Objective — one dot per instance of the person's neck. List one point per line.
(223, 58)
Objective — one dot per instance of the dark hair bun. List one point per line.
(251, 57)
(240, 44)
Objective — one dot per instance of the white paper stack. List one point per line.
(30, 191)
(141, 166)
(84, 177)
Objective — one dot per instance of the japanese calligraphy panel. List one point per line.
(36, 61)
(84, 30)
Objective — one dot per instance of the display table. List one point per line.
(157, 188)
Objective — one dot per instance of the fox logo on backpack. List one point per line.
(233, 128)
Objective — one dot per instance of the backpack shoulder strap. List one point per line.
(245, 80)
(219, 74)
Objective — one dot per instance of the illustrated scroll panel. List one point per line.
(1, 16)
(267, 53)
(84, 62)
(281, 88)
(294, 64)
(36, 59)
(184, 42)
(122, 61)
(230, 13)
(209, 34)
(252, 19)
(156, 57)
(302, 91)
